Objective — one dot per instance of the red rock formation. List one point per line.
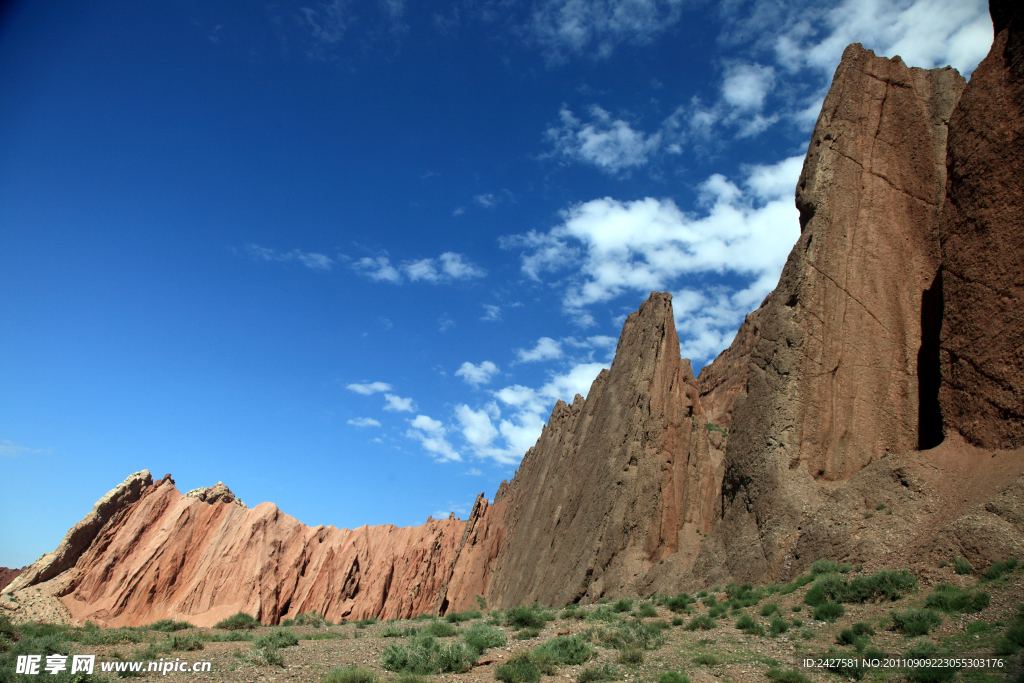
(982, 347)
(833, 372)
(8, 575)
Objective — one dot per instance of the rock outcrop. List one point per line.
(834, 380)
(7, 575)
(982, 231)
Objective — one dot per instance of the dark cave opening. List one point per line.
(929, 416)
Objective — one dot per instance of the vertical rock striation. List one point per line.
(982, 227)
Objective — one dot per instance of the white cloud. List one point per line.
(473, 472)
(746, 85)
(10, 449)
(612, 146)
(369, 388)
(311, 260)
(487, 201)
(596, 27)
(506, 439)
(444, 323)
(364, 422)
(327, 25)
(445, 268)
(477, 374)
(635, 247)
(491, 312)
(431, 434)
(546, 349)
(459, 211)
(399, 404)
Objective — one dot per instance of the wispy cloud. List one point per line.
(431, 434)
(491, 312)
(10, 449)
(486, 200)
(369, 388)
(326, 24)
(472, 472)
(546, 349)
(364, 422)
(309, 259)
(613, 247)
(610, 145)
(446, 268)
(476, 375)
(399, 404)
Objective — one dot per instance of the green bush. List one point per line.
(168, 626)
(882, 586)
(1016, 633)
(702, 594)
(848, 637)
(744, 622)
(828, 611)
(262, 654)
(527, 633)
(597, 673)
(717, 611)
(796, 622)
(916, 622)
(829, 567)
(480, 602)
(231, 637)
(703, 622)
(480, 637)
(573, 612)
(282, 638)
(777, 675)
(997, 569)
(951, 599)
(440, 629)
(524, 617)
(570, 650)
(518, 669)
(798, 582)
(623, 605)
(368, 621)
(647, 610)
(854, 670)
(238, 622)
(351, 674)
(336, 635)
(631, 657)
(962, 566)
(929, 674)
(458, 617)
(778, 626)
(706, 660)
(1004, 647)
(677, 621)
(977, 627)
(397, 631)
(770, 608)
(673, 677)
(187, 642)
(709, 601)
(680, 602)
(424, 655)
(310, 619)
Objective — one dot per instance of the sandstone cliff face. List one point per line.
(982, 347)
(616, 482)
(834, 380)
(7, 575)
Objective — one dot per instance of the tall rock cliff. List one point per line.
(982, 230)
(835, 378)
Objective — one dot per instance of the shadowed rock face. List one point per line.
(982, 347)
(833, 379)
(7, 575)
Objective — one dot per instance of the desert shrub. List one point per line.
(709, 600)
(770, 608)
(480, 637)
(679, 603)
(1015, 633)
(829, 567)
(518, 669)
(881, 586)
(705, 660)
(263, 653)
(798, 582)
(796, 622)
(1004, 647)
(569, 650)
(622, 636)
(717, 611)
(951, 599)
(977, 627)
(808, 634)
(743, 596)
(702, 594)
(916, 622)
(778, 626)
(334, 635)
(398, 631)
(597, 673)
(962, 566)
(168, 626)
(677, 621)
(573, 612)
(424, 655)
(527, 633)
(929, 674)
(744, 622)
(440, 629)
(647, 610)
(828, 611)
(631, 657)
(862, 629)
(524, 617)
(367, 621)
(603, 613)
(703, 622)
(187, 642)
(673, 677)
(481, 603)
(623, 605)
(230, 637)
(797, 608)
(237, 622)
(997, 569)
(848, 637)
(427, 616)
(351, 674)
(279, 639)
(852, 667)
(659, 624)
(458, 617)
(310, 619)
(777, 675)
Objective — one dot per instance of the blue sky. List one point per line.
(345, 256)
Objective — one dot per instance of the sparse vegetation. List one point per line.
(459, 617)
(828, 611)
(962, 566)
(423, 654)
(951, 599)
(591, 674)
(518, 669)
(480, 637)
(569, 650)
(351, 674)
(673, 677)
(169, 626)
(440, 629)
(703, 622)
(647, 610)
(238, 622)
(777, 675)
(916, 622)
(631, 657)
